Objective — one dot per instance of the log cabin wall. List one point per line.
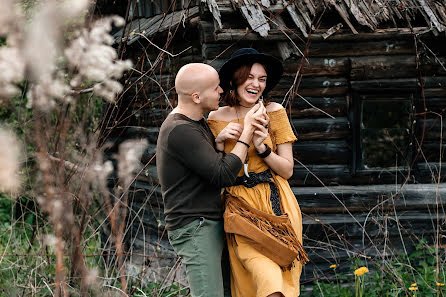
(365, 101)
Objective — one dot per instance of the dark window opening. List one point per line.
(385, 133)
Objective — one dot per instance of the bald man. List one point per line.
(191, 173)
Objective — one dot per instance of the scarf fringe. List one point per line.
(279, 230)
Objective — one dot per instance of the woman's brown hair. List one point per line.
(229, 96)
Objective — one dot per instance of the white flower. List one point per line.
(11, 20)
(91, 55)
(12, 69)
(9, 161)
(129, 157)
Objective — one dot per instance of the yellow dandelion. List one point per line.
(361, 270)
(413, 285)
(440, 284)
(413, 288)
(333, 266)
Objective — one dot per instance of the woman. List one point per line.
(246, 78)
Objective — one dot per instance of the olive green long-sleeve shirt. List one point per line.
(191, 172)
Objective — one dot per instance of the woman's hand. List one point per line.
(254, 115)
(231, 131)
(260, 133)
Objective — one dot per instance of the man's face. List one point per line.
(210, 95)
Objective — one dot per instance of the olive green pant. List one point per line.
(200, 245)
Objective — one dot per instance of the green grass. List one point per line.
(422, 273)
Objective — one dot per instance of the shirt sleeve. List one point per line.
(191, 147)
(281, 127)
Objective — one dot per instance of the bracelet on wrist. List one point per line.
(266, 153)
(219, 151)
(242, 142)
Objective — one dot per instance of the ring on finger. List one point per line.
(266, 126)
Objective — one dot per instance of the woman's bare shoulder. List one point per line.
(221, 114)
(273, 106)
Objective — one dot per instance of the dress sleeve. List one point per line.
(280, 127)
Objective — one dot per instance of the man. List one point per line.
(192, 173)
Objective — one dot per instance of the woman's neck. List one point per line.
(246, 106)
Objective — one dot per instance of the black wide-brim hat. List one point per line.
(274, 68)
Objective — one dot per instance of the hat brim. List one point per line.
(274, 69)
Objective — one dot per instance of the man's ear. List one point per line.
(196, 98)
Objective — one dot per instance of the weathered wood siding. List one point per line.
(348, 211)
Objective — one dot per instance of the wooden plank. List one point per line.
(321, 82)
(297, 19)
(231, 34)
(322, 128)
(323, 152)
(343, 13)
(334, 106)
(427, 172)
(315, 66)
(436, 104)
(432, 151)
(384, 85)
(341, 175)
(410, 223)
(254, 15)
(434, 129)
(363, 48)
(214, 9)
(363, 68)
(156, 24)
(363, 198)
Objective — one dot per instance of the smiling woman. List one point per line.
(262, 186)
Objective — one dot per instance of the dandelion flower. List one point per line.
(413, 285)
(440, 284)
(333, 266)
(413, 288)
(362, 270)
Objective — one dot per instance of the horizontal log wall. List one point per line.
(346, 212)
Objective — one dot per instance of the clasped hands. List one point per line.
(255, 124)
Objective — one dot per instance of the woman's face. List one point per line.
(250, 91)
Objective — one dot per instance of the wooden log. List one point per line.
(206, 30)
(385, 85)
(311, 106)
(435, 92)
(323, 152)
(314, 82)
(327, 174)
(326, 49)
(363, 198)
(435, 104)
(363, 68)
(432, 151)
(319, 175)
(433, 130)
(324, 253)
(315, 67)
(428, 172)
(312, 129)
(399, 84)
(411, 223)
(331, 66)
(313, 86)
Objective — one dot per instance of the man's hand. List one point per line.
(231, 131)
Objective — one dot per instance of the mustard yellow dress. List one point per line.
(252, 273)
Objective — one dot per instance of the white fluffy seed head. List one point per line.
(9, 161)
